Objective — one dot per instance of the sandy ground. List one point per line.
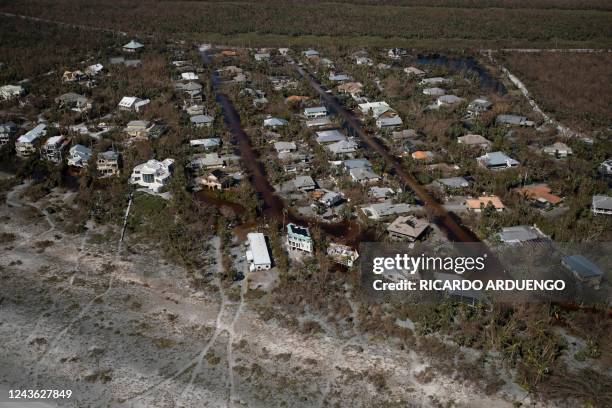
(121, 327)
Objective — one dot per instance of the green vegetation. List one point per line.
(289, 23)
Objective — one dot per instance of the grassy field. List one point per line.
(403, 23)
(574, 87)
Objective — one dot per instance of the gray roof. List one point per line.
(521, 233)
(81, 151)
(339, 77)
(356, 163)
(330, 136)
(602, 202)
(582, 266)
(516, 120)
(363, 174)
(454, 182)
(304, 182)
(493, 159)
(392, 121)
(343, 146)
(197, 119)
(449, 99)
(109, 155)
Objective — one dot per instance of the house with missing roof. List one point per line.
(257, 254)
(299, 239)
(53, 149)
(342, 254)
(497, 161)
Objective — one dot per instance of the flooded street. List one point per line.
(349, 232)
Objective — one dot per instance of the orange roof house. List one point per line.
(229, 53)
(477, 204)
(296, 99)
(539, 192)
(422, 155)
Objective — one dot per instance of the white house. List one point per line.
(257, 255)
(25, 145)
(11, 91)
(153, 174)
(132, 103)
(189, 76)
(200, 121)
(559, 150)
(315, 112)
(298, 238)
(601, 205)
(133, 46)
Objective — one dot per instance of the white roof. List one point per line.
(316, 109)
(285, 146)
(258, 248)
(378, 108)
(273, 122)
(155, 167)
(53, 140)
(128, 101)
(33, 134)
(133, 45)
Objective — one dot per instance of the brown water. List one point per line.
(350, 232)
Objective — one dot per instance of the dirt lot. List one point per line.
(120, 327)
